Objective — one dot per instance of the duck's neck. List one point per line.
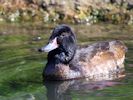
(61, 55)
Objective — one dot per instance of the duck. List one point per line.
(66, 60)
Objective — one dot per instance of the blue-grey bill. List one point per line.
(50, 46)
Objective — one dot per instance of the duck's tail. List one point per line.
(119, 49)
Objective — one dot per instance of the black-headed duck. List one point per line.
(102, 60)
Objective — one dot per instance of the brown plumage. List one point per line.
(99, 61)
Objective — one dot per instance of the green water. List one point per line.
(21, 65)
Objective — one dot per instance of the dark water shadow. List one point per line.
(62, 90)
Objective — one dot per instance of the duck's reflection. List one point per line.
(62, 90)
(57, 90)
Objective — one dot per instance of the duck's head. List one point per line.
(61, 37)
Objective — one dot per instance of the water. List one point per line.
(21, 65)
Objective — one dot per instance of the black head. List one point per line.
(62, 37)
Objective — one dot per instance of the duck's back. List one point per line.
(100, 59)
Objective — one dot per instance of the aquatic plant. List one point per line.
(71, 11)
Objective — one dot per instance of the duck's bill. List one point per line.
(50, 46)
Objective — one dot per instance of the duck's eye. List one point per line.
(63, 35)
(59, 40)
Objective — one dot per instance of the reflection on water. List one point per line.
(59, 90)
(21, 65)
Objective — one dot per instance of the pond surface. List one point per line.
(21, 65)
